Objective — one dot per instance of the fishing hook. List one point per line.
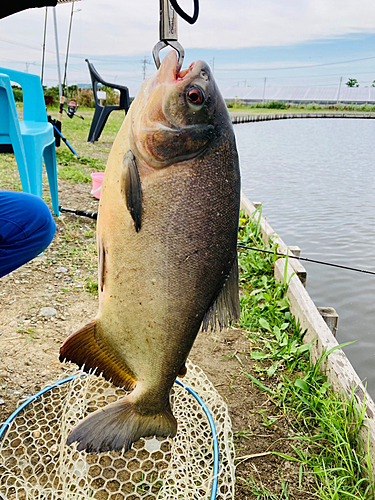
(168, 29)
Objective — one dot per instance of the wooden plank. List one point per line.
(268, 232)
(338, 369)
(340, 373)
(331, 318)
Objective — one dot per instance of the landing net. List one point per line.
(36, 464)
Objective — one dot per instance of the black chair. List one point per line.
(102, 112)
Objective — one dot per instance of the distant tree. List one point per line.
(352, 82)
(54, 92)
(373, 83)
(17, 92)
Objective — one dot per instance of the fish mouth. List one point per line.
(168, 69)
(183, 73)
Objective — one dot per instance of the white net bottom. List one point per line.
(35, 462)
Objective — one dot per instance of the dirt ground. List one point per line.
(49, 298)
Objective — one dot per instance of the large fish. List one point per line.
(167, 246)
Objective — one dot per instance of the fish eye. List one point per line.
(195, 95)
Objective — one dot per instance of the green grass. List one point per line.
(76, 131)
(91, 157)
(326, 425)
(10, 179)
(77, 168)
(326, 442)
(77, 246)
(261, 493)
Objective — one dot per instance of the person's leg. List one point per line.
(26, 229)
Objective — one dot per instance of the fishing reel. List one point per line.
(71, 109)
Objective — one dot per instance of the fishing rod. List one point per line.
(306, 259)
(63, 138)
(94, 215)
(91, 215)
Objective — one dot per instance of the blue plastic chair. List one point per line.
(10, 132)
(32, 139)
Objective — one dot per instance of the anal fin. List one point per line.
(87, 350)
(225, 309)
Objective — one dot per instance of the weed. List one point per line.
(29, 334)
(83, 252)
(272, 105)
(261, 493)
(91, 286)
(242, 434)
(326, 443)
(77, 168)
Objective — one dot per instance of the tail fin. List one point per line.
(118, 426)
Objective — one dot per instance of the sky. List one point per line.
(247, 42)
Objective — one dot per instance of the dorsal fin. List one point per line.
(225, 309)
(133, 190)
(85, 348)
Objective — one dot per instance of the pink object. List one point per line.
(97, 179)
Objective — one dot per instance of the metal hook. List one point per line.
(175, 45)
(168, 34)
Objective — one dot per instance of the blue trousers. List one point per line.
(26, 229)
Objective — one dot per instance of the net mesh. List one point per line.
(35, 462)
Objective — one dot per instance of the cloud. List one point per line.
(126, 28)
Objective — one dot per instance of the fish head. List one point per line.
(177, 115)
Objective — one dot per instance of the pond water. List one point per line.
(316, 180)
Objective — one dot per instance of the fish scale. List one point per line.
(167, 246)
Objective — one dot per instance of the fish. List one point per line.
(167, 252)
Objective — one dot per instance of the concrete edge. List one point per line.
(338, 369)
(246, 118)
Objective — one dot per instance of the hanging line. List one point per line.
(306, 259)
(182, 13)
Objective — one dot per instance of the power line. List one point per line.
(297, 67)
(144, 62)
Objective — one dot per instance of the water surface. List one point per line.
(316, 179)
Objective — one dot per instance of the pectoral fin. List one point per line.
(133, 190)
(86, 349)
(226, 308)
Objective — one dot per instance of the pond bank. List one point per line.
(245, 118)
(336, 366)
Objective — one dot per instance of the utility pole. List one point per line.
(27, 65)
(338, 93)
(264, 90)
(213, 66)
(144, 62)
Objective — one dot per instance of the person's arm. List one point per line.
(9, 8)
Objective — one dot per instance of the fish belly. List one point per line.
(158, 283)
